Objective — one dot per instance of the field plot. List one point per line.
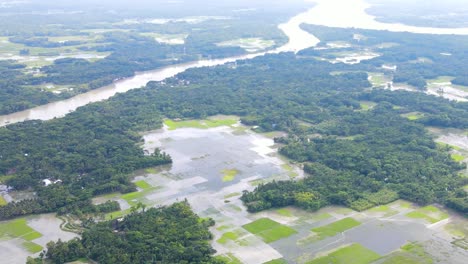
(429, 213)
(353, 254)
(335, 228)
(269, 230)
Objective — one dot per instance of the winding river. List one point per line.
(351, 13)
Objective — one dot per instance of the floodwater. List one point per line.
(352, 14)
(12, 251)
(200, 157)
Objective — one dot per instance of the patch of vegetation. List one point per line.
(2, 201)
(456, 230)
(172, 234)
(366, 106)
(143, 185)
(202, 124)
(229, 174)
(387, 210)
(413, 115)
(352, 254)
(285, 212)
(457, 157)
(321, 216)
(290, 170)
(228, 236)
(269, 230)
(227, 196)
(417, 250)
(401, 259)
(18, 228)
(31, 247)
(335, 227)
(228, 258)
(276, 261)
(151, 170)
(430, 213)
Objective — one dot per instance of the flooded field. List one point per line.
(23, 237)
(213, 165)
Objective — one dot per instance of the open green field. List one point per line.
(366, 105)
(229, 258)
(457, 157)
(269, 230)
(335, 227)
(18, 228)
(352, 254)
(229, 174)
(289, 169)
(135, 197)
(142, 184)
(285, 212)
(413, 115)
(377, 79)
(2, 201)
(430, 213)
(202, 124)
(385, 209)
(31, 247)
(229, 236)
(276, 261)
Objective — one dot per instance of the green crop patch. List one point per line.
(276, 261)
(284, 212)
(202, 124)
(269, 230)
(228, 258)
(18, 228)
(2, 201)
(142, 184)
(229, 174)
(335, 227)
(353, 254)
(430, 213)
(31, 247)
(228, 236)
(457, 157)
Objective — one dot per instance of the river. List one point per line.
(351, 13)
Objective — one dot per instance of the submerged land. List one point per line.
(339, 145)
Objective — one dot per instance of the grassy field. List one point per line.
(228, 236)
(385, 209)
(335, 227)
(202, 124)
(276, 261)
(401, 259)
(377, 79)
(269, 230)
(18, 228)
(430, 213)
(366, 106)
(31, 247)
(352, 254)
(229, 258)
(457, 157)
(142, 184)
(290, 170)
(321, 217)
(413, 115)
(229, 174)
(284, 212)
(2, 201)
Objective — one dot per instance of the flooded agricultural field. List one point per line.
(214, 164)
(28, 236)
